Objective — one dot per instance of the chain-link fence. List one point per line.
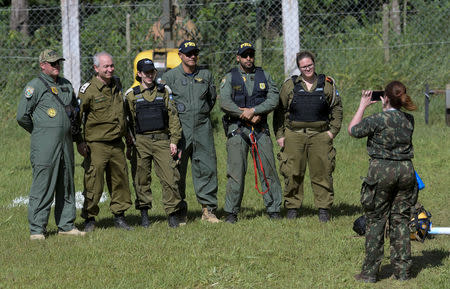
(360, 43)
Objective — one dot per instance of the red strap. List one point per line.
(255, 149)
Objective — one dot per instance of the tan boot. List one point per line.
(73, 232)
(208, 215)
(37, 237)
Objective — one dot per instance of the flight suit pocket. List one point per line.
(368, 191)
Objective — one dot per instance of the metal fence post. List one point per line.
(71, 41)
(291, 34)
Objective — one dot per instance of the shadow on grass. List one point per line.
(428, 259)
(133, 217)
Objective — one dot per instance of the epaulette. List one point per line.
(329, 79)
(161, 87)
(84, 87)
(129, 90)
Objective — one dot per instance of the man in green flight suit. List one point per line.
(308, 118)
(247, 96)
(102, 111)
(152, 116)
(195, 95)
(44, 116)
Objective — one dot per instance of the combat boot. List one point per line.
(120, 223)
(144, 218)
(324, 215)
(174, 220)
(208, 215)
(366, 279)
(89, 225)
(182, 213)
(231, 218)
(274, 216)
(291, 214)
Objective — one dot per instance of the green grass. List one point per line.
(254, 253)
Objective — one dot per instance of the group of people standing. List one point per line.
(168, 122)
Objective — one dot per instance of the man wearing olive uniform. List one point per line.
(102, 108)
(51, 155)
(195, 95)
(247, 96)
(154, 120)
(307, 119)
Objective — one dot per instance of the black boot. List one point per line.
(144, 218)
(324, 215)
(119, 222)
(291, 214)
(231, 218)
(89, 225)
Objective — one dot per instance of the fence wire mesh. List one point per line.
(372, 37)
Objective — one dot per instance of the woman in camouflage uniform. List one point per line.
(388, 191)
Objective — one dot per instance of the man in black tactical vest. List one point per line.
(156, 131)
(247, 96)
(306, 121)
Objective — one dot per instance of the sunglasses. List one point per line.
(192, 53)
(54, 64)
(247, 54)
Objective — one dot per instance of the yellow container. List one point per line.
(164, 59)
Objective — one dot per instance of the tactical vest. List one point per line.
(240, 95)
(309, 106)
(150, 116)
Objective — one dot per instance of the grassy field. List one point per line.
(254, 253)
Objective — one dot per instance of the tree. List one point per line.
(19, 16)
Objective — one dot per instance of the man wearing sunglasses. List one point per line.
(247, 96)
(42, 112)
(195, 95)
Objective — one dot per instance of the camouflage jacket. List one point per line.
(389, 134)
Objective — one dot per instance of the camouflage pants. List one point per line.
(387, 194)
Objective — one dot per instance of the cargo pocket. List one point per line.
(282, 158)
(368, 191)
(89, 182)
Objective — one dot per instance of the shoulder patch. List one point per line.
(84, 87)
(222, 83)
(29, 92)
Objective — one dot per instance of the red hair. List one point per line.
(396, 93)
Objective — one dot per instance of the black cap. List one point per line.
(244, 46)
(145, 65)
(187, 46)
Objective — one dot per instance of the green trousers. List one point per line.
(52, 181)
(204, 169)
(151, 148)
(106, 159)
(237, 150)
(307, 148)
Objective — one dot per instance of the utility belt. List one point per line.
(155, 136)
(299, 127)
(258, 132)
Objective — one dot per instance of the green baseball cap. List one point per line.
(49, 55)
